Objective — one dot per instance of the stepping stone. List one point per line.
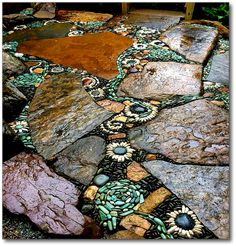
(203, 188)
(60, 113)
(194, 43)
(80, 160)
(30, 188)
(11, 65)
(54, 30)
(195, 133)
(97, 53)
(82, 16)
(45, 10)
(219, 71)
(158, 19)
(160, 80)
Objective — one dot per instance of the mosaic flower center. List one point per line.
(95, 93)
(138, 109)
(87, 81)
(120, 150)
(184, 221)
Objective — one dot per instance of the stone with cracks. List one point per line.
(219, 71)
(96, 53)
(194, 133)
(205, 189)
(30, 188)
(194, 43)
(80, 160)
(60, 113)
(160, 80)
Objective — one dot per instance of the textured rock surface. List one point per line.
(160, 80)
(54, 30)
(219, 71)
(62, 112)
(97, 53)
(79, 161)
(204, 189)
(195, 43)
(13, 102)
(30, 188)
(111, 105)
(45, 10)
(11, 65)
(82, 16)
(135, 172)
(197, 132)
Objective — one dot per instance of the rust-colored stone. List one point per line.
(135, 224)
(82, 16)
(111, 105)
(97, 53)
(151, 157)
(90, 193)
(125, 234)
(116, 136)
(154, 200)
(136, 172)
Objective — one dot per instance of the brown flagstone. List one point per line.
(136, 172)
(111, 105)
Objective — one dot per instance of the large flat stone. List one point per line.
(97, 53)
(82, 16)
(160, 80)
(197, 133)
(195, 43)
(203, 188)
(219, 71)
(60, 113)
(54, 30)
(30, 188)
(80, 160)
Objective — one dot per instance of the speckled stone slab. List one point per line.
(219, 71)
(96, 53)
(197, 133)
(195, 43)
(62, 112)
(204, 188)
(160, 80)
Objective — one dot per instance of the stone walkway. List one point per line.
(125, 127)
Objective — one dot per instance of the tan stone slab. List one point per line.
(125, 234)
(97, 53)
(154, 200)
(136, 172)
(135, 224)
(82, 16)
(111, 105)
(116, 136)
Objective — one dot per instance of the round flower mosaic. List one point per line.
(184, 223)
(119, 151)
(90, 82)
(117, 199)
(140, 112)
(112, 126)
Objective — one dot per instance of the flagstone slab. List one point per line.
(60, 113)
(30, 188)
(82, 16)
(160, 80)
(219, 71)
(193, 42)
(80, 160)
(97, 53)
(203, 188)
(194, 133)
(54, 30)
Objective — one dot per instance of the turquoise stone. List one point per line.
(184, 221)
(120, 150)
(19, 127)
(101, 179)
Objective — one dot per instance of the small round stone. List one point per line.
(120, 150)
(138, 109)
(18, 126)
(101, 179)
(86, 208)
(184, 221)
